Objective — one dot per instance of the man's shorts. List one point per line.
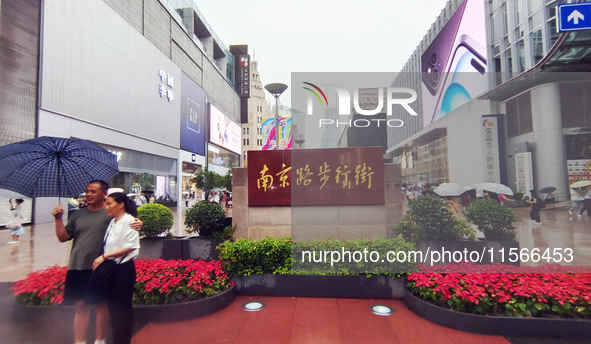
(77, 287)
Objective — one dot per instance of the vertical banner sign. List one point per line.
(490, 149)
(524, 174)
(192, 116)
(270, 137)
(244, 76)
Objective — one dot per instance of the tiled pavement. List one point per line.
(285, 319)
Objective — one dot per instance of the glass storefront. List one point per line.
(190, 193)
(146, 175)
(221, 160)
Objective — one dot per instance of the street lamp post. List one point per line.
(276, 89)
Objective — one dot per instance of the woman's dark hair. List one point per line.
(19, 200)
(128, 204)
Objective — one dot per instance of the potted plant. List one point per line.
(158, 221)
(493, 219)
(207, 219)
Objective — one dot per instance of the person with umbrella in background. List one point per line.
(549, 197)
(536, 206)
(586, 202)
(577, 202)
(87, 227)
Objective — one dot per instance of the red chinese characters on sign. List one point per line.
(336, 176)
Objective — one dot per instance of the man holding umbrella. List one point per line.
(87, 228)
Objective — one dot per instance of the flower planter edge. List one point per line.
(499, 325)
(142, 313)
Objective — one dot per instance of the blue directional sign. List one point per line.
(574, 17)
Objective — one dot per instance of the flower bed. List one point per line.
(158, 282)
(520, 291)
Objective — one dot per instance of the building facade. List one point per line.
(140, 78)
(258, 111)
(502, 101)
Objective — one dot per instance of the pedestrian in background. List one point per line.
(502, 199)
(480, 194)
(536, 206)
(16, 222)
(577, 202)
(586, 202)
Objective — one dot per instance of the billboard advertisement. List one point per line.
(192, 116)
(285, 134)
(224, 132)
(454, 65)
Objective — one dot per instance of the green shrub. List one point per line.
(266, 256)
(157, 219)
(493, 219)
(205, 218)
(409, 230)
(275, 256)
(434, 216)
(372, 257)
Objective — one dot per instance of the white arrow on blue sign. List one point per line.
(574, 17)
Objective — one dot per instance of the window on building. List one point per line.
(534, 6)
(248, 130)
(518, 11)
(519, 116)
(247, 142)
(520, 52)
(575, 105)
(509, 62)
(244, 156)
(537, 48)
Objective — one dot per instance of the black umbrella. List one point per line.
(547, 189)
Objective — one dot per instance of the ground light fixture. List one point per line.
(253, 306)
(382, 310)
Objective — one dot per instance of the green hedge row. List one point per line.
(284, 256)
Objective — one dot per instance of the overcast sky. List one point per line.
(322, 35)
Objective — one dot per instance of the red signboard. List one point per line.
(335, 176)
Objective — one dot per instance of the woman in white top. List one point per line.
(121, 244)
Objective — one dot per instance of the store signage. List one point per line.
(193, 119)
(490, 149)
(192, 116)
(337, 176)
(166, 85)
(574, 17)
(244, 76)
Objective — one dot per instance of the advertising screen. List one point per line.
(224, 132)
(454, 66)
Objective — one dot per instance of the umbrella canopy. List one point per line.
(54, 166)
(547, 189)
(496, 188)
(11, 194)
(580, 184)
(449, 189)
(112, 190)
